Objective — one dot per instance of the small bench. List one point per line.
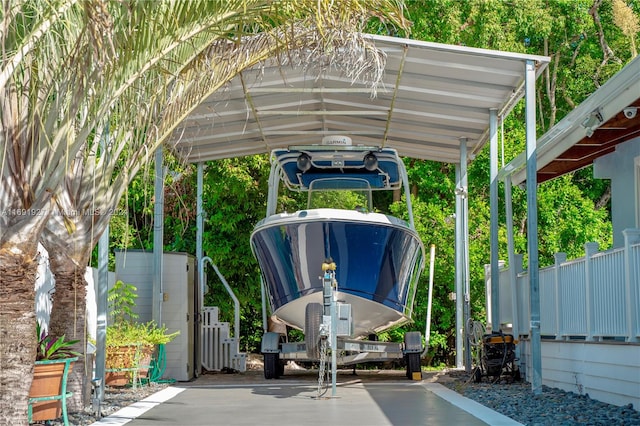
(62, 396)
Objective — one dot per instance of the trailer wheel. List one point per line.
(271, 366)
(312, 320)
(413, 364)
(477, 375)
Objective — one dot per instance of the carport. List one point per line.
(436, 102)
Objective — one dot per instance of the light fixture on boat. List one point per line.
(304, 162)
(370, 162)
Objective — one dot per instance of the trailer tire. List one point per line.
(413, 364)
(477, 375)
(271, 366)
(312, 320)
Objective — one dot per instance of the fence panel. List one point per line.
(548, 301)
(573, 315)
(608, 294)
(581, 300)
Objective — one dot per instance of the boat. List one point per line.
(377, 257)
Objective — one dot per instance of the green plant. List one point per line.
(155, 335)
(122, 299)
(138, 334)
(124, 331)
(50, 348)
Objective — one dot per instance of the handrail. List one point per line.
(236, 303)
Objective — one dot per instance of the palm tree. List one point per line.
(53, 55)
(166, 60)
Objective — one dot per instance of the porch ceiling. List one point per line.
(593, 129)
(432, 96)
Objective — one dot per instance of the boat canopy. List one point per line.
(343, 165)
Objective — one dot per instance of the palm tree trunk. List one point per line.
(17, 334)
(68, 317)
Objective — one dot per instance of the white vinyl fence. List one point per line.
(593, 298)
(589, 320)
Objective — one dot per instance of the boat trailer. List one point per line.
(328, 328)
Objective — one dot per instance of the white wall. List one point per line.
(45, 286)
(608, 372)
(619, 166)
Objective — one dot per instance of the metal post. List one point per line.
(466, 306)
(198, 337)
(158, 238)
(508, 202)
(459, 273)
(200, 227)
(532, 227)
(102, 290)
(493, 202)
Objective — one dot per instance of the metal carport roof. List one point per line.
(432, 96)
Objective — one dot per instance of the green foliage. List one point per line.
(138, 334)
(51, 348)
(124, 330)
(121, 299)
(347, 200)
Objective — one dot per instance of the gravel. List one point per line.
(552, 407)
(515, 400)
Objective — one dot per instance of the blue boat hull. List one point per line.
(378, 257)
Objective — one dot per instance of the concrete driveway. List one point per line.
(369, 398)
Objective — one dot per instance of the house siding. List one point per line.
(619, 166)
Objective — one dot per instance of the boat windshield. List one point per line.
(340, 193)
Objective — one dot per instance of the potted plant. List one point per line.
(129, 345)
(54, 362)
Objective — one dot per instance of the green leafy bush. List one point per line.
(124, 330)
(50, 348)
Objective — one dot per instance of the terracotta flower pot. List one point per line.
(47, 381)
(122, 362)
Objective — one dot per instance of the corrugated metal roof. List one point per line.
(432, 96)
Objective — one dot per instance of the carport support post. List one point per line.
(199, 226)
(460, 326)
(462, 267)
(158, 237)
(532, 226)
(508, 203)
(466, 308)
(201, 284)
(493, 203)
